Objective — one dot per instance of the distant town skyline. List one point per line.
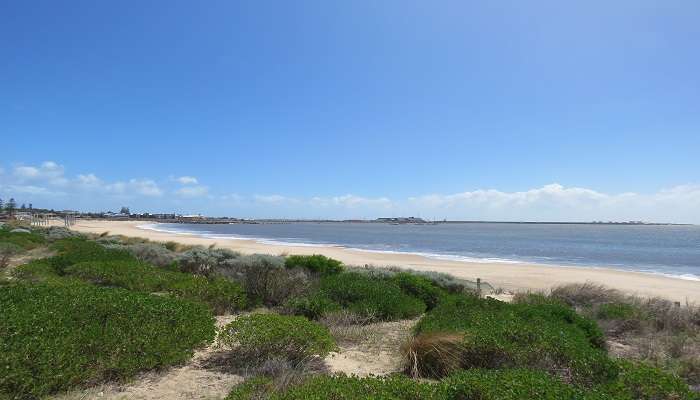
(536, 110)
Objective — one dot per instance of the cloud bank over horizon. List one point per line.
(47, 185)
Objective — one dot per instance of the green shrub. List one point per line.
(39, 270)
(152, 253)
(352, 388)
(54, 233)
(508, 384)
(264, 335)
(639, 381)
(24, 240)
(57, 336)
(204, 261)
(74, 250)
(313, 306)
(258, 387)
(446, 282)
(517, 384)
(617, 311)
(551, 337)
(419, 287)
(265, 279)
(377, 298)
(316, 263)
(474, 384)
(220, 294)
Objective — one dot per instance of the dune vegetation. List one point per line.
(105, 308)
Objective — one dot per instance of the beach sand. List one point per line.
(509, 276)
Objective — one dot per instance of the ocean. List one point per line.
(662, 249)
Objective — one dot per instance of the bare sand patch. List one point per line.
(379, 354)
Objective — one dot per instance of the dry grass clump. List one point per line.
(586, 294)
(433, 355)
(348, 327)
(659, 331)
(177, 247)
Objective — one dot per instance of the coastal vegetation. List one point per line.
(261, 336)
(101, 308)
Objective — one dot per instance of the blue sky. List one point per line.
(501, 110)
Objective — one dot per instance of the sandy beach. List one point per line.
(513, 277)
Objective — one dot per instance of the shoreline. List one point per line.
(513, 276)
(428, 255)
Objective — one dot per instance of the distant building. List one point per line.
(191, 218)
(402, 220)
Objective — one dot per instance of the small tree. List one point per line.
(2, 204)
(24, 207)
(31, 207)
(125, 210)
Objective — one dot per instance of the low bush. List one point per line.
(507, 384)
(35, 270)
(261, 336)
(24, 240)
(255, 388)
(444, 281)
(7, 251)
(639, 381)
(204, 261)
(586, 294)
(419, 287)
(75, 250)
(380, 299)
(313, 306)
(655, 330)
(316, 263)
(265, 279)
(220, 294)
(547, 336)
(57, 336)
(517, 384)
(152, 253)
(339, 387)
(54, 233)
(617, 311)
(475, 384)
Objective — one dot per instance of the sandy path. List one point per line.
(512, 277)
(378, 354)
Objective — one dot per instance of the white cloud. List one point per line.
(30, 190)
(351, 201)
(89, 180)
(187, 180)
(48, 171)
(43, 179)
(192, 191)
(275, 199)
(556, 202)
(145, 187)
